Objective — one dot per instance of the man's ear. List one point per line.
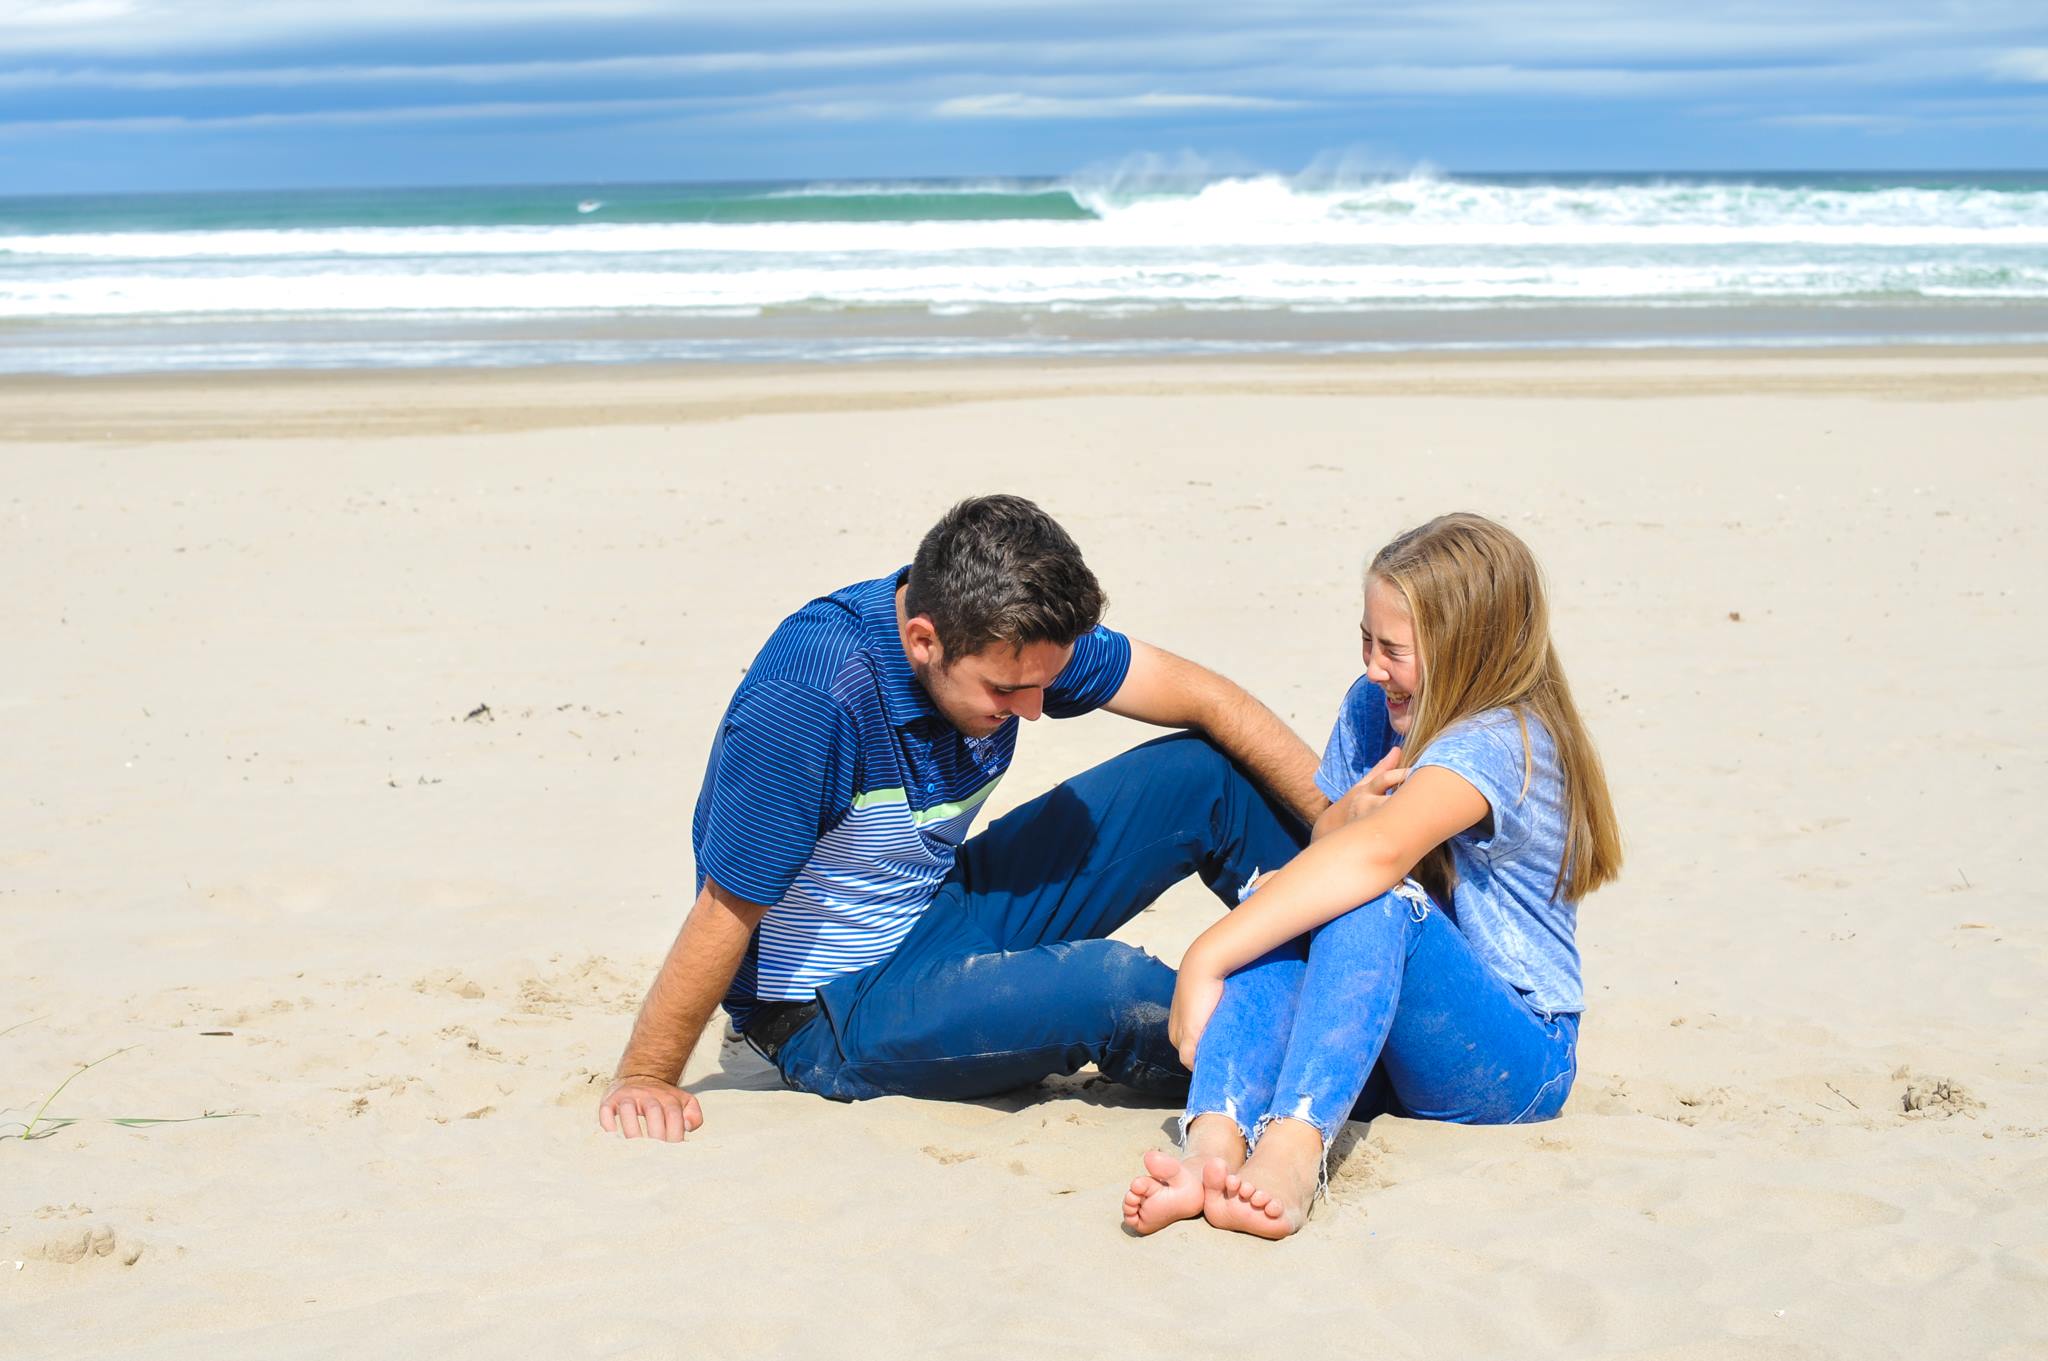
(921, 641)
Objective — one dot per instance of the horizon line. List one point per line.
(1425, 171)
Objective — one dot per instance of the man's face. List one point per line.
(980, 692)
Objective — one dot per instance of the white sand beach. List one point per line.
(353, 723)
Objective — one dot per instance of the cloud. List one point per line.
(1027, 106)
(1567, 82)
(161, 26)
(1857, 122)
(930, 71)
(2025, 64)
(1449, 32)
(46, 17)
(428, 113)
(478, 73)
(1950, 113)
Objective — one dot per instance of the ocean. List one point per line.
(1113, 264)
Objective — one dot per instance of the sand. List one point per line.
(251, 623)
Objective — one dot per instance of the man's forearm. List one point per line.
(1267, 748)
(1176, 693)
(700, 966)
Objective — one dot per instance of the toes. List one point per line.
(1214, 1178)
(1141, 1188)
(1163, 1166)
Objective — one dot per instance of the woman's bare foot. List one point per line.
(1170, 1191)
(1174, 1189)
(1271, 1194)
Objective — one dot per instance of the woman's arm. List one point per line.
(1347, 866)
(1350, 865)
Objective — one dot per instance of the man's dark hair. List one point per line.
(997, 569)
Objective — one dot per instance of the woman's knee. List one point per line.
(1392, 915)
(1275, 974)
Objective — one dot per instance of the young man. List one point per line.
(854, 939)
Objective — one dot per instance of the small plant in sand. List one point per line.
(42, 1125)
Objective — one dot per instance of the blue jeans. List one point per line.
(1006, 978)
(1391, 992)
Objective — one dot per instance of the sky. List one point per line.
(123, 95)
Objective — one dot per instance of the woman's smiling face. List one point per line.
(1391, 659)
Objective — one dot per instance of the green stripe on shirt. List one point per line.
(945, 812)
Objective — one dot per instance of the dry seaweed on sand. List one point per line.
(41, 1125)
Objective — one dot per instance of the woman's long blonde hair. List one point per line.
(1482, 630)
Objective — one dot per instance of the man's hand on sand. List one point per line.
(666, 1111)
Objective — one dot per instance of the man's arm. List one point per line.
(694, 977)
(1173, 692)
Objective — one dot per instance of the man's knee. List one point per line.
(1185, 769)
(1182, 756)
(1132, 986)
(1135, 996)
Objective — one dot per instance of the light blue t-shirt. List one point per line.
(1506, 866)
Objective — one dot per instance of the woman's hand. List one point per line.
(1195, 996)
(1378, 785)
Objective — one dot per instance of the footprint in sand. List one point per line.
(945, 1157)
(594, 983)
(452, 982)
(87, 1245)
(469, 1040)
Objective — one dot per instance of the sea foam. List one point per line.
(1114, 246)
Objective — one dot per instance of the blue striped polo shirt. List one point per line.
(838, 795)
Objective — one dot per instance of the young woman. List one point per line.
(1424, 938)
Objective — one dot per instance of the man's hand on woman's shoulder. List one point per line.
(666, 1111)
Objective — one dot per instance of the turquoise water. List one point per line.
(811, 201)
(961, 267)
(538, 205)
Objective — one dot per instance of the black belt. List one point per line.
(770, 1025)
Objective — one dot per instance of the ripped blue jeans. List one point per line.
(1382, 1010)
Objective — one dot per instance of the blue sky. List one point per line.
(104, 95)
